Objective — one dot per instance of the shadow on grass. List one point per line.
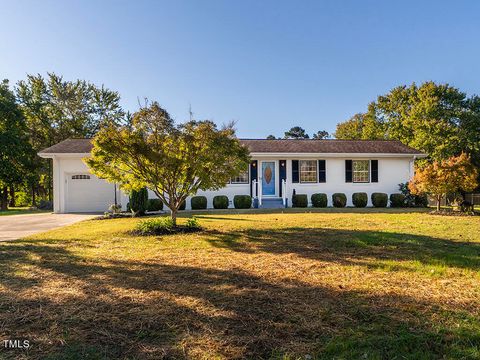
(152, 310)
(209, 217)
(349, 247)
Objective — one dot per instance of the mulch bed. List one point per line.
(179, 229)
(122, 215)
(454, 213)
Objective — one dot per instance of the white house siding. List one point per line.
(97, 196)
(391, 172)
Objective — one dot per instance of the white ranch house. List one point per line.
(278, 168)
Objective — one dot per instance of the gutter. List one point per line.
(337, 155)
(272, 154)
(66, 155)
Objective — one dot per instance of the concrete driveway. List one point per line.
(17, 226)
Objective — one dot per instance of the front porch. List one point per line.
(272, 203)
(268, 183)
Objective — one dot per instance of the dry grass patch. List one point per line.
(263, 285)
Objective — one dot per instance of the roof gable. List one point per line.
(70, 146)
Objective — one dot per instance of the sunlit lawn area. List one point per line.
(349, 285)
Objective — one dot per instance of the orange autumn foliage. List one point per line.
(442, 177)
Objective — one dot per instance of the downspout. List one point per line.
(412, 167)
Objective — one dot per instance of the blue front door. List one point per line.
(268, 178)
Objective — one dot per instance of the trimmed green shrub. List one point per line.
(183, 205)
(300, 200)
(379, 199)
(319, 200)
(360, 199)
(421, 200)
(220, 202)
(192, 223)
(154, 205)
(339, 200)
(242, 201)
(154, 226)
(164, 225)
(138, 201)
(198, 202)
(397, 200)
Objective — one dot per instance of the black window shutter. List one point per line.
(283, 174)
(295, 174)
(348, 170)
(374, 170)
(322, 171)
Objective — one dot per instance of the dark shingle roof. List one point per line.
(329, 146)
(70, 146)
(84, 146)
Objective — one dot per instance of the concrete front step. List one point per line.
(272, 203)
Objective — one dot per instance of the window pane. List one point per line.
(240, 179)
(361, 171)
(80, 177)
(308, 171)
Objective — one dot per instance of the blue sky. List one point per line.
(269, 65)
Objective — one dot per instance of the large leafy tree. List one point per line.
(15, 150)
(360, 127)
(56, 109)
(435, 118)
(174, 161)
(296, 132)
(428, 117)
(446, 176)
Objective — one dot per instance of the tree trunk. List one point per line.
(12, 196)
(4, 199)
(34, 200)
(173, 211)
(173, 215)
(439, 200)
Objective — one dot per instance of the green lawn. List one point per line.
(22, 210)
(329, 284)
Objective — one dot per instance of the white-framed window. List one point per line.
(242, 178)
(308, 171)
(80, 177)
(361, 171)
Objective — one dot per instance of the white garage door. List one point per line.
(87, 193)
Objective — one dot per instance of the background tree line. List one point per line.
(297, 132)
(39, 112)
(437, 119)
